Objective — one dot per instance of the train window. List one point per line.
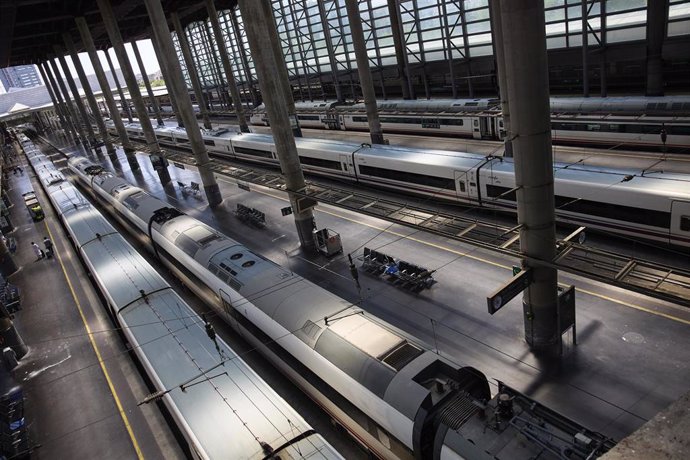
(320, 162)
(495, 191)
(236, 256)
(403, 176)
(679, 130)
(476, 123)
(461, 184)
(360, 119)
(209, 142)
(685, 223)
(308, 117)
(615, 211)
(253, 152)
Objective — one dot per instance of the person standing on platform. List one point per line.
(37, 251)
(49, 247)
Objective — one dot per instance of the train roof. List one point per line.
(429, 105)
(663, 105)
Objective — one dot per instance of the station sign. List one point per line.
(508, 291)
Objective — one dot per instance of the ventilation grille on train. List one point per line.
(402, 355)
(458, 411)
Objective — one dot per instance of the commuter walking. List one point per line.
(49, 247)
(37, 251)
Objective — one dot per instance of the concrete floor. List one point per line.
(632, 352)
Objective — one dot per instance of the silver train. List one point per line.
(388, 389)
(225, 411)
(653, 207)
(625, 122)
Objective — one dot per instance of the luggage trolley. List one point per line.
(328, 242)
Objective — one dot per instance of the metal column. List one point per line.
(225, 60)
(87, 40)
(63, 122)
(365, 80)
(400, 52)
(147, 83)
(165, 71)
(524, 40)
(175, 80)
(331, 54)
(90, 98)
(657, 19)
(191, 70)
(113, 31)
(60, 52)
(603, 68)
(283, 77)
(585, 49)
(497, 30)
(243, 56)
(256, 23)
(62, 89)
(123, 102)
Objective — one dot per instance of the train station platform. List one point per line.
(631, 357)
(80, 384)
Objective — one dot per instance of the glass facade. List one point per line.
(316, 40)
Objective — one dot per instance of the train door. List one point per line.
(346, 164)
(226, 302)
(476, 132)
(680, 222)
(463, 186)
(342, 122)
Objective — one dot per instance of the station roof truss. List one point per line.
(30, 28)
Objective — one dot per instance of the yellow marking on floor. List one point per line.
(135, 443)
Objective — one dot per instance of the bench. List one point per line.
(399, 272)
(250, 216)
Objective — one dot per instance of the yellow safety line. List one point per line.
(496, 264)
(135, 443)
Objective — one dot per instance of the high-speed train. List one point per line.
(385, 387)
(626, 122)
(220, 405)
(654, 206)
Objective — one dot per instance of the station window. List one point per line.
(685, 223)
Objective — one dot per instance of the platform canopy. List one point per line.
(30, 28)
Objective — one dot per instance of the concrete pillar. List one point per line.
(71, 114)
(524, 39)
(283, 77)
(90, 98)
(400, 52)
(147, 84)
(177, 88)
(87, 40)
(123, 102)
(61, 107)
(657, 18)
(60, 52)
(256, 23)
(585, 49)
(113, 31)
(225, 60)
(191, 69)
(365, 80)
(497, 31)
(49, 87)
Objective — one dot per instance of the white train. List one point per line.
(625, 122)
(225, 410)
(654, 207)
(385, 387)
